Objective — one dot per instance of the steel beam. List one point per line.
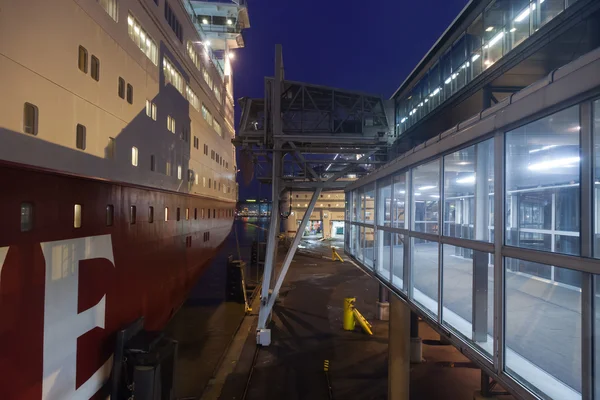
(267, 306)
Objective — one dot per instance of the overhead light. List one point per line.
(496, 38)
(435, 196)
(403, 191)
(417, 194)
(513, 29)
(525, 12)
(488, 62)
(550, 146)
(464, 163)
(229, 22)
(427, 187)
(436, 91)
(447, 81)
(559, 163)
(426, 100)
(475, 57)
(403, 120)
(466, 179)
(204, 21)
(231, 55)
(489, 29)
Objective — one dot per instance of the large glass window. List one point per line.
(398, 261)
(425, 197)
(369, 203)
(369, 247)
(399, 205)
(543, 331)
(384, 259)
(468, 294)
(596, 209)
(384, 202)
(425, 273)
(542, 184)
(469, 192)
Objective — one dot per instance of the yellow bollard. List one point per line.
(349, 322)
(362, 321)
(335, 255)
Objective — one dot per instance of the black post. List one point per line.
(485, 384)
(414, 325)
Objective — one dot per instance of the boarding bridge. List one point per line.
(306, 137)
(490, 232)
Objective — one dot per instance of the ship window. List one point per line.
(178, 214)
(121, 88)
(217, 128)
(132, 214)
(152, 163)
(208, 212)
(195, 213)
(95, 71)
(168, 169)
(150, 214)
(129, 93)
(110, 214)
(166, 213)
(110, 149)
(142, 39)
(80, 137)
(202, 213)
(83, 59)
(214, 213)
(111, 7)
(30, 119)
(187, 214)
(151, 109)
(170, 124)
(196, 179)
(77, 216)
(209, 183)
(134, 156)
(203, 181)
(26, 217)
(179, 172)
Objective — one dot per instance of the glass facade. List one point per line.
(500, 28)
(426, 197)
(551, 321)
(440, 254)
(542, 186)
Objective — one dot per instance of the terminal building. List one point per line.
(486, 221)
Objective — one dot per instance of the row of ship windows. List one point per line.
(27, 215)
(148, 46)
(30, 125)
(82, 63)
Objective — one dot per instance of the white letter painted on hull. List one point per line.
(62, 324)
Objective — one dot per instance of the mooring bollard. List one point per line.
(349, 322)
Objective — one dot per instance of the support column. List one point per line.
(416, 345)
(383, 305)
(399, 350)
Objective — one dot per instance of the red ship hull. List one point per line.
(65, 291)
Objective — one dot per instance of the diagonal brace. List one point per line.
(265, 309)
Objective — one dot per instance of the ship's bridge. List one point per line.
(222, 21)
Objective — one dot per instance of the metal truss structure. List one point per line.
(307, 137)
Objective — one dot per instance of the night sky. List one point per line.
(369, 46)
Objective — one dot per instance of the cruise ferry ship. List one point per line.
(117, 176)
